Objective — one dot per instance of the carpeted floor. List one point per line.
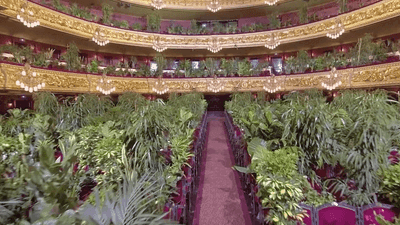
(220, 199)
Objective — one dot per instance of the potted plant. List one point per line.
(107, 13)
(153, 22)
(71, 57)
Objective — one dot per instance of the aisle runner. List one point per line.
(220, 199)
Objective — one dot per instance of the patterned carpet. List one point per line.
(220, 199)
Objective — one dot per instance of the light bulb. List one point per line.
(26, 88)
(39, 86)
(34, 74)
(35, 88)
(22, 85)
(23, 73)
(42, 84)
(30, 89)
(17, 82)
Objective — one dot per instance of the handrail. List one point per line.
(374, 13)
(386, 74)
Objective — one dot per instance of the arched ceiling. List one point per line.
(142, 8)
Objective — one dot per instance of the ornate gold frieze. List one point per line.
(387, 74)
(59, 21)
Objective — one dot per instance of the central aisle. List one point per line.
(220, 199)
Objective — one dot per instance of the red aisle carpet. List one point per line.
(220, 199)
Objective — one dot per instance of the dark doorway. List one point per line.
(216, 102)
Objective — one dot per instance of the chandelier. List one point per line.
(159, 45)
(214, 6)
(215, 85)
(272, 42)
(26, 16)
(100, 37)
(160, 87)
(105, 86)
(214, 45)
(271, 2)
(158, 4)
(28, 80)
(335, 30)
(333, 81)
(272, 84)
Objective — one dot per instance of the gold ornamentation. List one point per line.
(26, 16)
(160, 87)
(333, 80)
(100, 37)
(214, 6)
(336, 29)
(157, 4)
(379, 11)
(387, 74)
(28, 80)
(272, 42)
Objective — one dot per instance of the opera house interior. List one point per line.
(200, 112)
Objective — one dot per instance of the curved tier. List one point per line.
(353, 20)
(386, 74)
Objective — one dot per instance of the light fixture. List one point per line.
(105, 85)
(272, 42)
(214, 45)
(335, 30)
(215, 85)
(333, 81)
(26, 16)
(271, 2)
(160, 87)
(157, 4)
(28, 80)
(272, 84)
(159, 45)
(100, 37)
(214, 6)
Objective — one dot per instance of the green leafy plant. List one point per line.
(303, 17)
(93, 66)
(75, 10)
(107, 13)
(391, 184)
(274, 21)
(153, 22)
(120, 23)
(161, 64)
(382, 221)
(211, 66)
(367, 51)
(137, 26)
(342, 5)
(244, 68)
(60, 7)
(42, 59)
(71, 57)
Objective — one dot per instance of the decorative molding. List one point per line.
(52, 19)
(387, 74)
(201, 4)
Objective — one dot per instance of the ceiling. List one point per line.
(52, 37)
(228, 14)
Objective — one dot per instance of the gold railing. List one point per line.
(377, 12)
(387, 74)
